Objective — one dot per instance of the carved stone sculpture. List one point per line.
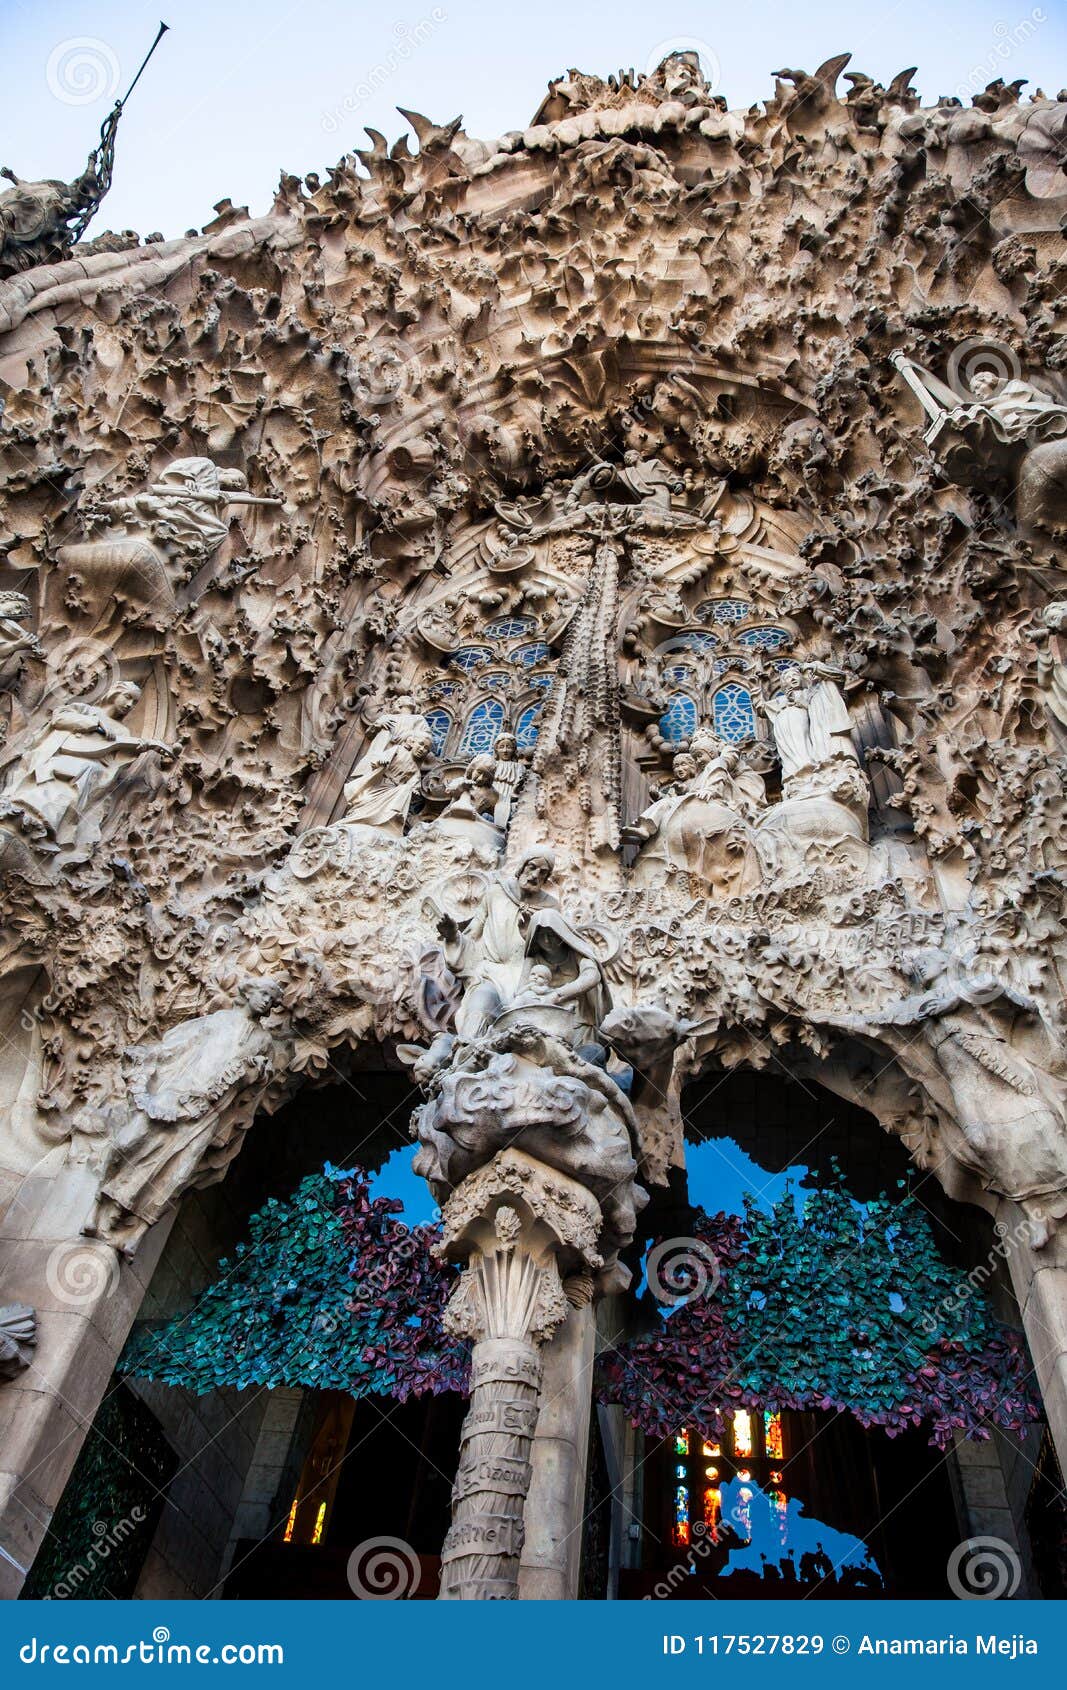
(58, 785)
(1051, 667)
(385, 780)
(178, 1132)
(521, 1229)
(18, 1339)
(700, 827)
(519, 920)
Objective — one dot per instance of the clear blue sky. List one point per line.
(239, 90)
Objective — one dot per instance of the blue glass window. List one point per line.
(497, 680)
(486, 721)
(530, 655)
(509, 627)
(679, 720)
(733, 714)
(439, 723)
(540, 680)
(470, 656)
(678, 672)
(526, 728)
(764, 639)
(728, 611)
(697, 639)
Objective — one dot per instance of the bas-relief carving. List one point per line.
(469, 423)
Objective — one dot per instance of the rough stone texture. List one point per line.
(676, 425)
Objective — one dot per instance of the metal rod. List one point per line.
(159, 36)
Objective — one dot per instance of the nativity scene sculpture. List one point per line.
(602, 688)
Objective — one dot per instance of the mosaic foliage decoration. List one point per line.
(99, 1535)
(843, 1306)
(329, 1291)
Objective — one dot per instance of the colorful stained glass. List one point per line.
(681, 1443)
(509, 627)
(486, 721)
(681, 1471)
(712, 1511)
(526, 728)
(779, 1506)
(772, 1435)
(696, 639)
(732, 713)
(741, 1517)
(679, 721)
(711, 1472)
(439, 722)
(531, 655)
(320, 1522)
(764, 639)
(742, 1434)
(497, 681)
(709, 1449)
(539, 680)
(727, 611)
(678, 672)
(681, 1514)
(287, 1535)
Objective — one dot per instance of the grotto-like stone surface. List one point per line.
(560, 491)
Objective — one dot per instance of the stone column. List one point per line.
(520, 1227)
(1039, 1279)
(555, 1507)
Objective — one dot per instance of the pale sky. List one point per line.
(239, 91)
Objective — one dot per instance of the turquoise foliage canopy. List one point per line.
(842, 1306)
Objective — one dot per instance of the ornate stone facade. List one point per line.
(569, 613)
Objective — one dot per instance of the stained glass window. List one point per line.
(470, 656)
(509, 627)
(681, 1471)
(772, 1435)
(732, 712)
(681, 1515)
(709, 1449)
(530, 655)
(439, 722)
(486, 721)
(712, 1511)
(526, 727)
(697, 639)
(678, 672)
(764, 639)
(539, 680)
(320, 1521)
(680, 719)
(742, 1433)
(287, 1536)
(497, 681)
(681, 1443)
(728, 611)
